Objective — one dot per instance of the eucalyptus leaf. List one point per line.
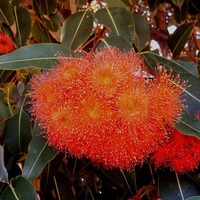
(189, 125)
(178, 2)
(19, 189)
(23, 24)
(142, 32)
(192, 92)
(193, 198)
(3, 170)
(39, 154)
(76, 29)
(40, 33)
(116, 41)
(151, 59)
(48, 6)
(36, 55)
(119, 20)
(18, 133)
(4, 115)
(179, 38)
(5, 112)
(119, 3)
(6, 14)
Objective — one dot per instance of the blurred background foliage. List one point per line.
(163, 32)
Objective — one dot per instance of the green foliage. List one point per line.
(43, 30)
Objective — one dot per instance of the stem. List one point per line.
(127, 182)
(179, 186)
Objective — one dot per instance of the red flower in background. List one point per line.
(102, 107)
(6, 44)
(181, 153)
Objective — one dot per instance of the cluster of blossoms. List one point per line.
(102, 107)
(180, 152)
(6, 44)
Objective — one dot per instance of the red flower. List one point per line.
(6, 44)
(181, 153)
(101, 107)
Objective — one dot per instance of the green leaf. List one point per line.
(6, 14)
(4, 115)
(142, 33)
(189, 125)
(190, 66)
(178, 2)
(18, 133)
(119, 20)
(16, 2)
(48, 6)
(3, 171)
(192, 92)
(41, 34)
(194, 198)
(53, 21)
(116, 41)
(19, 189)
(179, 38)
(39, 154)
(23, 24)
(76, 29)
(180, 13)
(151, 59)
(37, 55)
(119, 3)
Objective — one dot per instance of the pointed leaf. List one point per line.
(142, 33)
(48, 6)
(192, 92)
(18, 133)
(5, 113)
(37, 55)
(119, 20)
(194, 198)
(41, 34)
(3, 170)
(39, 154)
(76, 29)
(151, 58)
(178, 2)
(6, 14)
(116, 41)
(19, 189)
(189, 125)
(179, 38)
(119, 3)
(23, 23)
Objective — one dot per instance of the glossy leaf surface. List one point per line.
(179, 38)
(19, 189)
(116, 41)
(39, 153)
(142, 33)
(118, 20)
(189, 125)
(18, 133)
(76, 29)
(37, 55)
